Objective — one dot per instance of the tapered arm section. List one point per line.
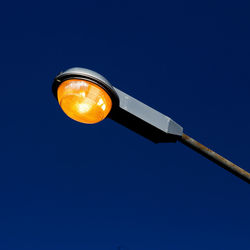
(144, 120)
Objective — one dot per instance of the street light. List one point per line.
(88, 97)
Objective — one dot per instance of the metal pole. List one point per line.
(216, 158)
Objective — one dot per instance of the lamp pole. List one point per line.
(216, 158)
(88, 97)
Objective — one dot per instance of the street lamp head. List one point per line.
(88, 97)
(84, 95)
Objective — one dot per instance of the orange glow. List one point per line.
(83, 101)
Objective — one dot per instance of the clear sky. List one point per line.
(65, 185)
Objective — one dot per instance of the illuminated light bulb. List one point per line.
(100, 102)
(83, 101)
(83, 107)
(103, 107)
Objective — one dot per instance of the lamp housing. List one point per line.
(125, 109)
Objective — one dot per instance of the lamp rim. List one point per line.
(94, 78)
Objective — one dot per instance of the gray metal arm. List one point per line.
(144, 120)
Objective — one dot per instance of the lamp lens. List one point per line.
(83, 101)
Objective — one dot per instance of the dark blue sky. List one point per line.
(64, 185)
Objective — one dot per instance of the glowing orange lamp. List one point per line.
(84, 99)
